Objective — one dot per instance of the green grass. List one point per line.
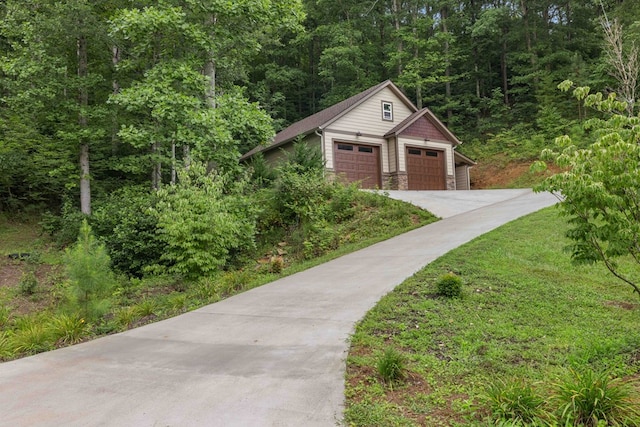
(526, 315)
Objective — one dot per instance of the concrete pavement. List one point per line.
(272, 356)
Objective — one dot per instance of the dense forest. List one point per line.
(98, 95)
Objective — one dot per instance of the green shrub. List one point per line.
(590, 397)
(91, 279)
(262, 174)
(303, 158)
(68, 329)
(28, 283)
(64, 226)
(449, 285)
(128, 228)
(204, 220)
(391, 366)
(515, 402)
(321, 237)
(302, 197)
(234, 281)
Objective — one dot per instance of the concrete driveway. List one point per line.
(273, 356)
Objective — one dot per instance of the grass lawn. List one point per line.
(526, 316)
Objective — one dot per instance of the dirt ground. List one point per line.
(504, 173)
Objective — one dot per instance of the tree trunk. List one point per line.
(447, 72)
(210, 68)
(503, 69)
(83, 103)
(156, 173)
(396, 23)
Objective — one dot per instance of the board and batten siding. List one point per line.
(367, 117)
(443, 146)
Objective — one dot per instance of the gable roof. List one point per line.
(428, 114)
(325, 117)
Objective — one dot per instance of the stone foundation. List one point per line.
(451, 182)
(395, 181)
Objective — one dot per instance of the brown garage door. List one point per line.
(358, 163)
(425, 169)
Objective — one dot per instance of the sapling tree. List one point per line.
(600, 186)
(89, 269)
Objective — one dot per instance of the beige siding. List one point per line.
(277, 155)
(331, 138)
(392, 155)
(367, 117)
(403, 142)
(462, 177)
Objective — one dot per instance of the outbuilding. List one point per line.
(378, 137)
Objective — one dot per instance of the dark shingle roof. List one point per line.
(316, 121)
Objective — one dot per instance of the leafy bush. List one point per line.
(262, 174)
(204, 220)
(63, 227)
(449, 285)
(68, 329)
(391, 366)
(128, 228)
(88, 268)
(514, 401)
(28, 283)
(588, 398)
(304, 158)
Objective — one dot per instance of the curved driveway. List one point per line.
(272, 356)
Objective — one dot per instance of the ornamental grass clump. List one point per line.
(516, 402)
(592, 398)
(391, 366)
(449, 285)
(68, 328)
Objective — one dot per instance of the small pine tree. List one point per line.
(88, 267)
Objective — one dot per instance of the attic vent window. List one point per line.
(387, 111)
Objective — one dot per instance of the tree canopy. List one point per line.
(97, 95)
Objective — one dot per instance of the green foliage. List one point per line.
(28, 283)
(68, 329)
(31, 336)
(88, 268)
(449, 285)
(515, 401)
(600, 187)
(588, 398)
(6, 346)
(65, 225)
(126, 224)
(391, 366)
(303, 158)
(262, 174)
(201, 224)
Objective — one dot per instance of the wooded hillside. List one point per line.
(96, 95)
